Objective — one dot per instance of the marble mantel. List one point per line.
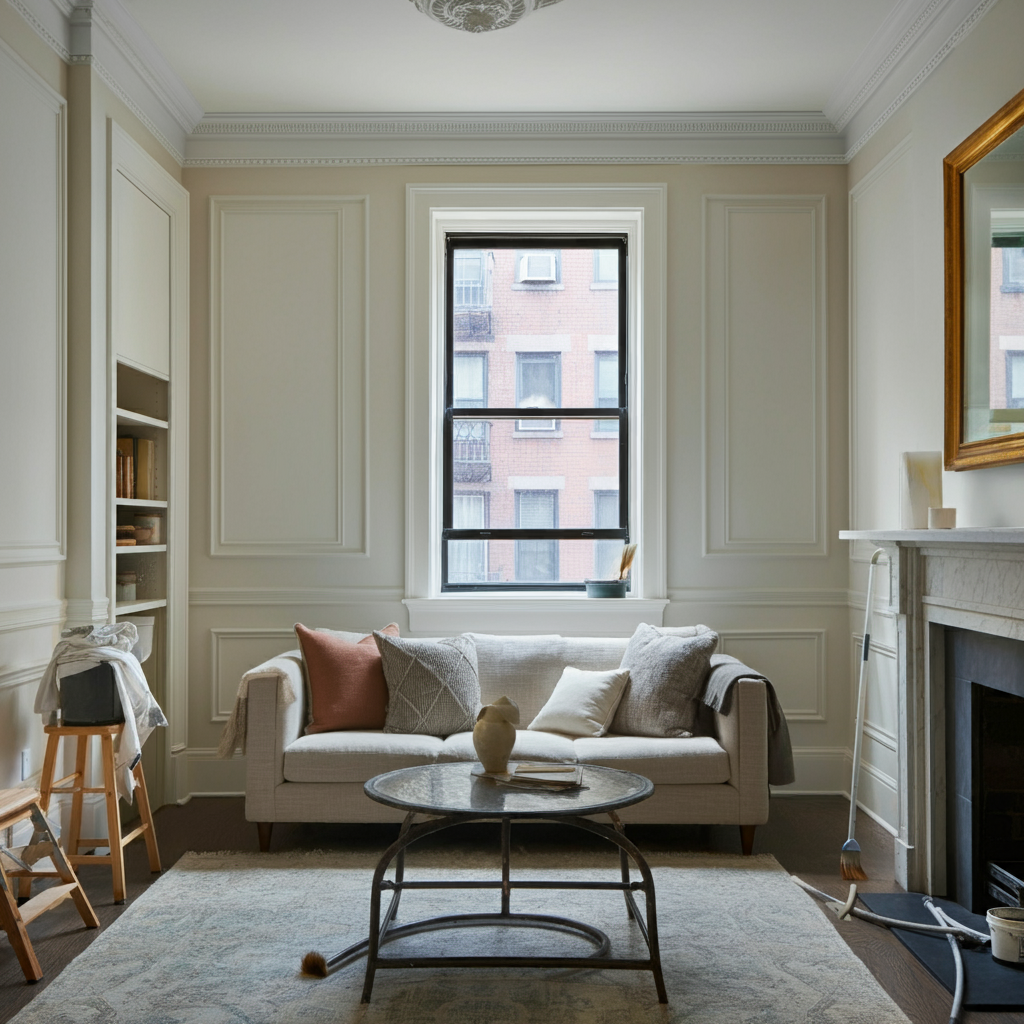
(965, 578)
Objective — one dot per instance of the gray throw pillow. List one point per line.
(433, 686)
(666, 673)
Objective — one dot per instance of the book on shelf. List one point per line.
(126, 446)
(145, 468)
(536, 775)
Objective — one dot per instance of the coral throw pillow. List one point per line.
(346, 680)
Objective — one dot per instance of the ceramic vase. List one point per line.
(494, 734)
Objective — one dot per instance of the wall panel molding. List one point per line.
(765, 380)
(280, 597)
(15, 677)
(31, 615)
(289, 372)
(231, 648)
(780, 653)
(33, 402)
(794, 597)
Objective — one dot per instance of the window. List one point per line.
(537, 560)
(606, 267)
(606, 389)
(517, 499)
(467, 559)
(1013, 270)
(470, 279)
(469, 384)
(1015, 379)
(607, 553)
(538, 386)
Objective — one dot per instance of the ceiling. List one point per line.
(376, 56)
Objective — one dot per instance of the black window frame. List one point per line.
(519, 242)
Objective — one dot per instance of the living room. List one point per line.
(260, 197)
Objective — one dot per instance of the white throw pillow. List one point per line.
(582, 703)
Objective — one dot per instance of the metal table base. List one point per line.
(383, 930)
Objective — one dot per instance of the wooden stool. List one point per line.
(18, 805)
(115, 841)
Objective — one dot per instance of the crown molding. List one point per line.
(921, 34)
(224, 140)
(908, 46)
(103, 34)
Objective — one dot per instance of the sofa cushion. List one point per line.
(666, 673)
(663, 760)
(433, 687)
(583, 703)
(529, 746)
(355, 755)
(345, 680)
(526, 668)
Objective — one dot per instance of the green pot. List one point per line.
(606, 588)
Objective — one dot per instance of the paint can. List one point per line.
(1007, 927)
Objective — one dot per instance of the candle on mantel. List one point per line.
(920, 488)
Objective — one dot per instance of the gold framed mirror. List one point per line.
(984, 201)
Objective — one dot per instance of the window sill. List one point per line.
(570, 614)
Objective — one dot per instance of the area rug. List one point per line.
(219, 939)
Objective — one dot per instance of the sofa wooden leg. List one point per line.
(264, 828)
(747, 839)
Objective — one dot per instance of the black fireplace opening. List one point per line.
(984, 769)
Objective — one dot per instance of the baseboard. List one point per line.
(209, 775)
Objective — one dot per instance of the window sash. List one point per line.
(536, 568)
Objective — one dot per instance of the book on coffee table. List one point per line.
(536, 775)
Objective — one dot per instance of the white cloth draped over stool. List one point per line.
(82, 648)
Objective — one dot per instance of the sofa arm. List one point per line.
(744, 735)
(272, 723)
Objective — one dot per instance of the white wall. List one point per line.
(756, 313)
(32, 381)
(897, 333)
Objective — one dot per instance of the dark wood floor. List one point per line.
(805, 835)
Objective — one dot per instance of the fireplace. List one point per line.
(984, 768)
(955, 618)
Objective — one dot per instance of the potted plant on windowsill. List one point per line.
(615, 587)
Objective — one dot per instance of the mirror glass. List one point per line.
(993, 281)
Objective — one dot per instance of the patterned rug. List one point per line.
(219, 939)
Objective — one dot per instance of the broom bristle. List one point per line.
(849, 866)
(314, 965)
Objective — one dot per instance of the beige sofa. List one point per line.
(712, 779)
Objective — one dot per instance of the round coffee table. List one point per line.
(451, 795)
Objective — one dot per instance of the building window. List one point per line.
(537, 560)
(606, 267)
(467, 559)
(538, 386)
(1015, 379)
(607, 553)
(469, 384)
(606, 389)
(470, 279)
(1013, 270)
(500, 440)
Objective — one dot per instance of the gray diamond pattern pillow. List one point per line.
(433, 685)
(666, 674)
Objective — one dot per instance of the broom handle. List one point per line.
(862, 691)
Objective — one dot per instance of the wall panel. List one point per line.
(764, 351)
(288, 407)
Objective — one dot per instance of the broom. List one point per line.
(849, 858)
(628, 554)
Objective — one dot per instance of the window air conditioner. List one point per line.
(537, 268)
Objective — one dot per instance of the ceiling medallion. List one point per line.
(479, 15)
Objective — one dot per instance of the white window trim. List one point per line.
(639, 211)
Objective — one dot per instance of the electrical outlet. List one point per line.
(26, 761)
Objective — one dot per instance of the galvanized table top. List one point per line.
(452, 789)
